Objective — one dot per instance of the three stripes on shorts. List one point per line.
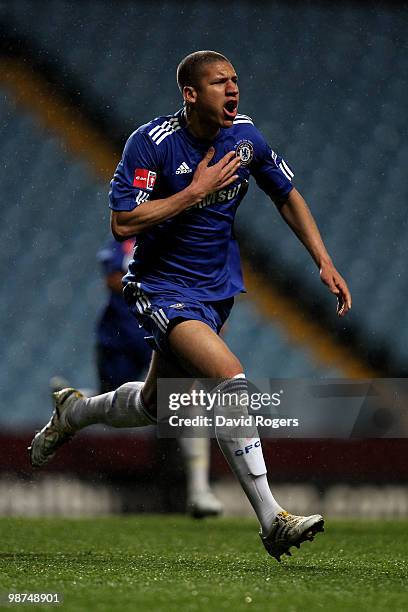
(144, 306)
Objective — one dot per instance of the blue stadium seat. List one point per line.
(44, 197)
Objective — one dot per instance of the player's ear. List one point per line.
(189, 94)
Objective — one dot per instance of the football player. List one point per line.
(178, 187)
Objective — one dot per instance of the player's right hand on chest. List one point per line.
(207, 179)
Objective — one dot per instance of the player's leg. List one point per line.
(123, 407)
(204, 354)
(201, 500)
(120, 402)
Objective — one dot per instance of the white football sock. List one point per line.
(196, 457)
(245, 457)
(121, 408)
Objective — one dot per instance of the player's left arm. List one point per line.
(297, 215)
(274, 176)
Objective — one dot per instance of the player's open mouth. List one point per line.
(231, 109)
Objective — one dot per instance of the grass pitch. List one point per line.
(172, 563)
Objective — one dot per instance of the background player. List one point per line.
(121, 351)
(195, 166)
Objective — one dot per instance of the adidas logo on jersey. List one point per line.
(183, 169)
(178, 306)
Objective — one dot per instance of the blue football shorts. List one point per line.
(158, 313)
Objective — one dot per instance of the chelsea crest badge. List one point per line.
(245, 151)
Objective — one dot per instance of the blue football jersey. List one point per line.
(196, 252)
(117, 328)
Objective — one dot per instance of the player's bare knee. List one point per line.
(233, 369)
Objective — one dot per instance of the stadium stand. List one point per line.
(52, 293)
(265, 350)
(59, 213)
(355, 185)
(337, 120)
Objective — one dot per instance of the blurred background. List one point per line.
(328, 87)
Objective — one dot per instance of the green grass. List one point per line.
(172, 563)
